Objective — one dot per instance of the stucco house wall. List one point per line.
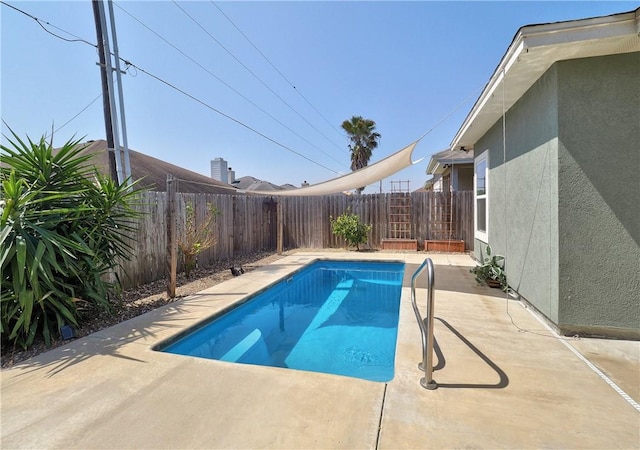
(563, 194)
(522, 199)
(599, 193)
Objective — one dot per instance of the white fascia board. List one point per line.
(584, 30)
(438, 168)
(546, 41)
(433, 162)
(512, 56)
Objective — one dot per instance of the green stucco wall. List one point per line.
(599, 192)
(564, 195)
(523, 194)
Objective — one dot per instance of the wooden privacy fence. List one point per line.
(250, 223)
(434, 215)
(245, 224)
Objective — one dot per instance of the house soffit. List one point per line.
(439, 162)
(534, 49)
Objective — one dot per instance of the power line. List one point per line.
(81, 111)
(254, 75)
(276, 69)
(41, 22)
(225, 83)
(70, 120)
(130, 64)
(446, 116)
(203, 103)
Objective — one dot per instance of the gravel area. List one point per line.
(146, 298)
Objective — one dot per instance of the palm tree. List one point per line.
(364, 139)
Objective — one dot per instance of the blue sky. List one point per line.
(405, 65)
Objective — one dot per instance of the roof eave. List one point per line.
(432, 165)
(539, 44)
(439, 166)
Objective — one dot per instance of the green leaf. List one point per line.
(7, 254)
(27, 305)
(36, 263)
(21, 255)
(32, 334)
(64, 311)
(16, 327)
(6, 231)
(46, 334)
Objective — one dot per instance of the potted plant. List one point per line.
(491, 271)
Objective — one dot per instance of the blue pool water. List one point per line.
(338, 317)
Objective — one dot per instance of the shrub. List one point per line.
(63, 227)
(198, 236)
(349, 227)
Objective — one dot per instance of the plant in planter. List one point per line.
(491, 271)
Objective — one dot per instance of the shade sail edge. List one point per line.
(363, 177)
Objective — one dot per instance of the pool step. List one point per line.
(243, 347)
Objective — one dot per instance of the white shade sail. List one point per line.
(362, 177)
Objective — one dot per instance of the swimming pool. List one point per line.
(338, 317)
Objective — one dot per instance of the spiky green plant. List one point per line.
(62, 229)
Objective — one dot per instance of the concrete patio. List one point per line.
(505, 381)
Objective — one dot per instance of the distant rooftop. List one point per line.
(249, 183)
(152, 172)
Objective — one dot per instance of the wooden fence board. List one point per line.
(249, 223)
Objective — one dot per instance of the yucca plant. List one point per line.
(60, 234)
(110, 230)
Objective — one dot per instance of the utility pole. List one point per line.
(120, 95)
(105, 92)
(114, 98)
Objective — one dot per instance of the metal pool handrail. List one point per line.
(426, 324)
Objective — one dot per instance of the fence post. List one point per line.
(280, 215)
(172, 251)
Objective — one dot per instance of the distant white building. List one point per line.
(219, 170)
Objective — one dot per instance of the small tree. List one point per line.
(198, 236)
(349, 227)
